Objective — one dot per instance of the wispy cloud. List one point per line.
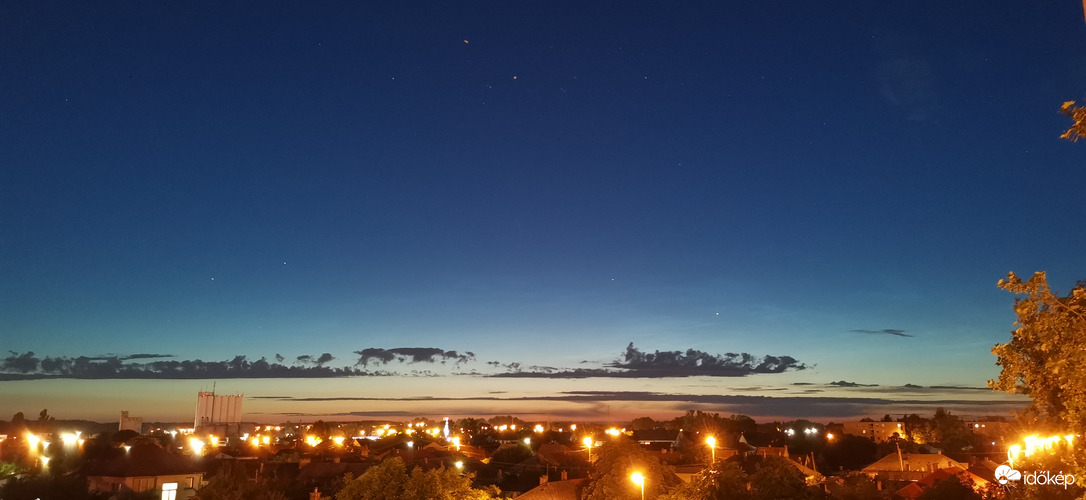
(909, 84)
(842, 383)
(884, 331)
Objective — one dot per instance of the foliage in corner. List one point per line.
(1077, 114)
(1046, 357)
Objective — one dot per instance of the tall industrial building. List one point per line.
(218, 415)
(130, 423)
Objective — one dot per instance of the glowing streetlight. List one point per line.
(711, 441)
(196, 445)
(459, 465)
(588, 444)
(69, 439)
(639, 480)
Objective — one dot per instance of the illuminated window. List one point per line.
(169, 491)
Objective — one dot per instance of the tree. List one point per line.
(231, 483)
(390, 480)
(949, 488)
(778, 479)
(1077, 114)
(620, 458)
(724, 482)
(1046, 357)
(854, 487)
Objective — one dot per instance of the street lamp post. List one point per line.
(639, 480)
(711, 441)
(588, 444)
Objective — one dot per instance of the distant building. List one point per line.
(218, 415)
(879, 432)
(994, 431)
(130, 423)
(659, 440)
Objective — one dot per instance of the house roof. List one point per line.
(553, 453)
(144, 459)
(555, 490)
(913, 462)
(318, 471)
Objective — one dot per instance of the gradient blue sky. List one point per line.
(537, 182)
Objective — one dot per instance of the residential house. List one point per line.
(910, 466)
(144, 467)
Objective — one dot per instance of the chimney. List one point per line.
(565, 475)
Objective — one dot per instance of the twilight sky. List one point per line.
(540, 183)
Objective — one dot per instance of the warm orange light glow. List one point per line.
(196, 445)
(639, 480)
(338, 440)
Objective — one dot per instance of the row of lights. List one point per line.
(1035, 444)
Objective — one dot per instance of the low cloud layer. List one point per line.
(377, 355)
(795, 406)
(29, 366)
(403, 361)
(690, 363)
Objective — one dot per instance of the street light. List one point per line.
(588, 443)
(639, 480)
(711, 441)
